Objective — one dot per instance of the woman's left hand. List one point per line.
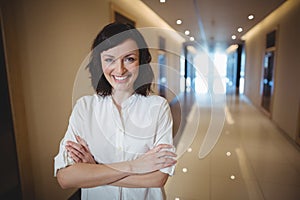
(79, 151)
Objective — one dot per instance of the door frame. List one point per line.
(273, 90)
(13, 70)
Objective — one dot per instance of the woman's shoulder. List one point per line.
(86, 98)
(89, 100)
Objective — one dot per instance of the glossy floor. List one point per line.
(252, 159)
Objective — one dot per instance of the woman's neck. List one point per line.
(120, 96)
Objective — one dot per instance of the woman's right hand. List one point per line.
(79, 151)
(155, 159)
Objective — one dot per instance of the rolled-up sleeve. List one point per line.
(62, 159)
(164, 132)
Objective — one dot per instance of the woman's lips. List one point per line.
(121, 79)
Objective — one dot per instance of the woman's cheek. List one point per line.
(133, 68)
(106, 69)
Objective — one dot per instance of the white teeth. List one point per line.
(120, 78)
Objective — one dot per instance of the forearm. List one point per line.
(153, 179)
(83, 175)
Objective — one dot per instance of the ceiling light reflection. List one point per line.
(250, 17)
(178, 21)
(190, 149)
(228, 153)
(228, 116)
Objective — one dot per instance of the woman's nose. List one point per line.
(120, 68)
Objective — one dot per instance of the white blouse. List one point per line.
(112, 137)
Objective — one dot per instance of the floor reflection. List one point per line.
(252, 159)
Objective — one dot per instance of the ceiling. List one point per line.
(213, 22)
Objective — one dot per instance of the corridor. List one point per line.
(252, 159)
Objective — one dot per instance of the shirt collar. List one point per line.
(128, 101)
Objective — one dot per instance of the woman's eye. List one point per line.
(108, 60)
(129, 60)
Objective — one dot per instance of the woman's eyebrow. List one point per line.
(130, 54)
(108, 55)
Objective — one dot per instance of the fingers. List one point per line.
(163, 146)
(165, 159)
(75, 157)
(80, 152)
(165, 154)
(82, 149)
(76, 151)
(159, 147)
(74, 154)
(81, 141)
(166, 162)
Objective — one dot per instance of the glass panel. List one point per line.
(162, 82)
(268, 80)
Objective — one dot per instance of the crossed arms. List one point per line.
(142, 172)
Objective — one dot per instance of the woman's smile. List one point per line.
(121, 79)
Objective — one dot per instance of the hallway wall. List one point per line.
(286, 98)
(45, 43)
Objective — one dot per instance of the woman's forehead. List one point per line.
(126, 47)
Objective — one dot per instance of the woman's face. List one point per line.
(120, 65)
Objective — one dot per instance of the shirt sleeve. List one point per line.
(62, 159)
(165, 132)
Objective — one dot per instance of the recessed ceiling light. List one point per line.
(187, 32)
(240, 29)
(250, 17)
(162, 1)
(192, 38)
(233, 37)
(178, 21)
(184, 170)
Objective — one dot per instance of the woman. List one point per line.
(118, 144)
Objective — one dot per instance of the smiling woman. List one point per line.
(107, 40)
(118, 144)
